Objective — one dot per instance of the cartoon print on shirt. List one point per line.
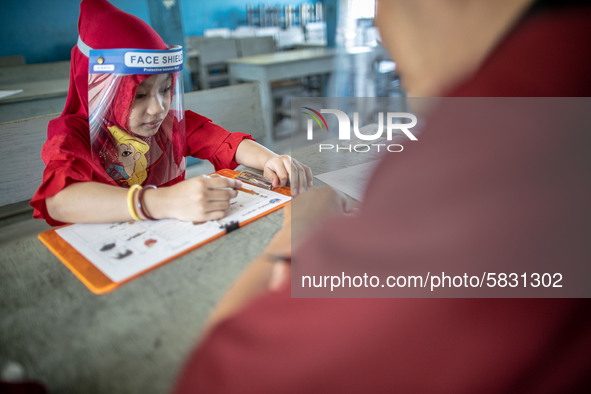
(132, 165)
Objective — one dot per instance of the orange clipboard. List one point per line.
(97, 281)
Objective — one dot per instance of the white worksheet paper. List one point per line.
(350, 180)
(121, 250)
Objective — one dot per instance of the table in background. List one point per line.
(268, 68)
(44, 89)
(36, 98)
(265, 69)
(34, 72)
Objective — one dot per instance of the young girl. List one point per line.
(129, 163)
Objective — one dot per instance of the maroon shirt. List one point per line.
(460, 177)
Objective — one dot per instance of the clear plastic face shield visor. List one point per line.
(136, 114)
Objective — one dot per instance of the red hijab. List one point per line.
(103, 26)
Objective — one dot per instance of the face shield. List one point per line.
(136, 114)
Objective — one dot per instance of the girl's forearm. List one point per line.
(194, 199)
(252, 154)
(89, 202)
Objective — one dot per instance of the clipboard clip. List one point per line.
(230, 226)
(255, 179)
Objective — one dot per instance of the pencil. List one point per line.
(245, 190)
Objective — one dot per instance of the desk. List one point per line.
(37, 98)
(135, 338)
(131, 340)
(34, 72)
(267, 68)
(310, 44)
(36, 90)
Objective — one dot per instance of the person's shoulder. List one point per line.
(194, 120)
(523, 64)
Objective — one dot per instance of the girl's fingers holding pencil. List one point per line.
(213, 206)
(220, 182)
(220, 194)
(195, 199)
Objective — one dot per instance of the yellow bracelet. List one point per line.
(131, 203)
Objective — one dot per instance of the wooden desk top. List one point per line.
(135, 338)
(34, 72)
(131, 340)
(296, 55)
(285, 57)
(36, 90)
(310, 44)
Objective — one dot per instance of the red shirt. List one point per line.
(68, 157)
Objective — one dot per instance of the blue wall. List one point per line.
(200, 15)
(46, 31)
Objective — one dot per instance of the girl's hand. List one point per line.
(195, 199)
(281, 168)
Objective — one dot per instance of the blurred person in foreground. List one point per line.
(460, 193)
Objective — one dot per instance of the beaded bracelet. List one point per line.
(130, 204)
(140, 202)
